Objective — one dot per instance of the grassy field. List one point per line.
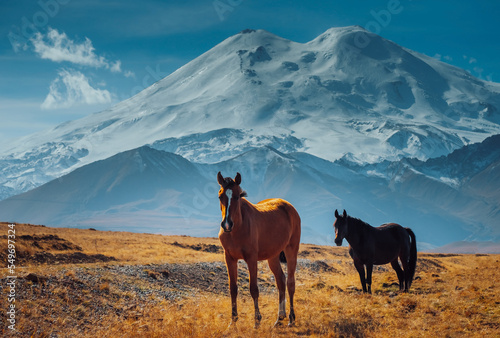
(85, 283)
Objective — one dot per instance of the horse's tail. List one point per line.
(412, 263)
(282, 257)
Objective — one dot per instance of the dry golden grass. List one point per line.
(453, 295)
(125, 246)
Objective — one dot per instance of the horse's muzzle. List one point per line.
(227, 225)
(338, 242)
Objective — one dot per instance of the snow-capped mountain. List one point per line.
(348, 93)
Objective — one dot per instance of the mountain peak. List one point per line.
(248, 31)
(334, 33)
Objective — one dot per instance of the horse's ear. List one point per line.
(336, 214)
(345, 214)
(237, 179)
(220, 179)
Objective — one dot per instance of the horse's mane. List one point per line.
(358, 222)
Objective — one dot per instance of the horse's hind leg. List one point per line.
(279, 276)
(406, 273)
(399, 272)
(291, 261)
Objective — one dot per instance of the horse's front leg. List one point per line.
(369, 270)
(361, 271)
(232, 271)
(254, 288)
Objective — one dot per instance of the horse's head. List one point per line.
(230, 195)
(340, 227)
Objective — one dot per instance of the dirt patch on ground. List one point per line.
(200, 247)
(310, 251)
(441, 255)
(46, 242)
(38, 249)
(65, 258)
(426, 264)
(318, 266)
(211, 277)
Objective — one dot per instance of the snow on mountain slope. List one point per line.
(222, 144)
(329, 97)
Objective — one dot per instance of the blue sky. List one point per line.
(64, 59)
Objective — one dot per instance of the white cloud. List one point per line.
(441, 57)
(72, 88)
(128, 73)
(58, 47)
(470, 59)
(116, 67)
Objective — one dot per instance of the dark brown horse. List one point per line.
(370, 246)
(256, 232)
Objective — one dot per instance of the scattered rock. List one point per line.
(353, 288)
(291, 66)
(36, 278)
(319, 285)
(153, 274)
(304, 253)
(388, 285)
(337, 288)
(322, 266)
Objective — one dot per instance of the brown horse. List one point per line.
(370, 246)
(256, 232)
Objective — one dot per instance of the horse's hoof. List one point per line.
(257, 325)
(291, 324)
(232, 325)
(279, 323)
